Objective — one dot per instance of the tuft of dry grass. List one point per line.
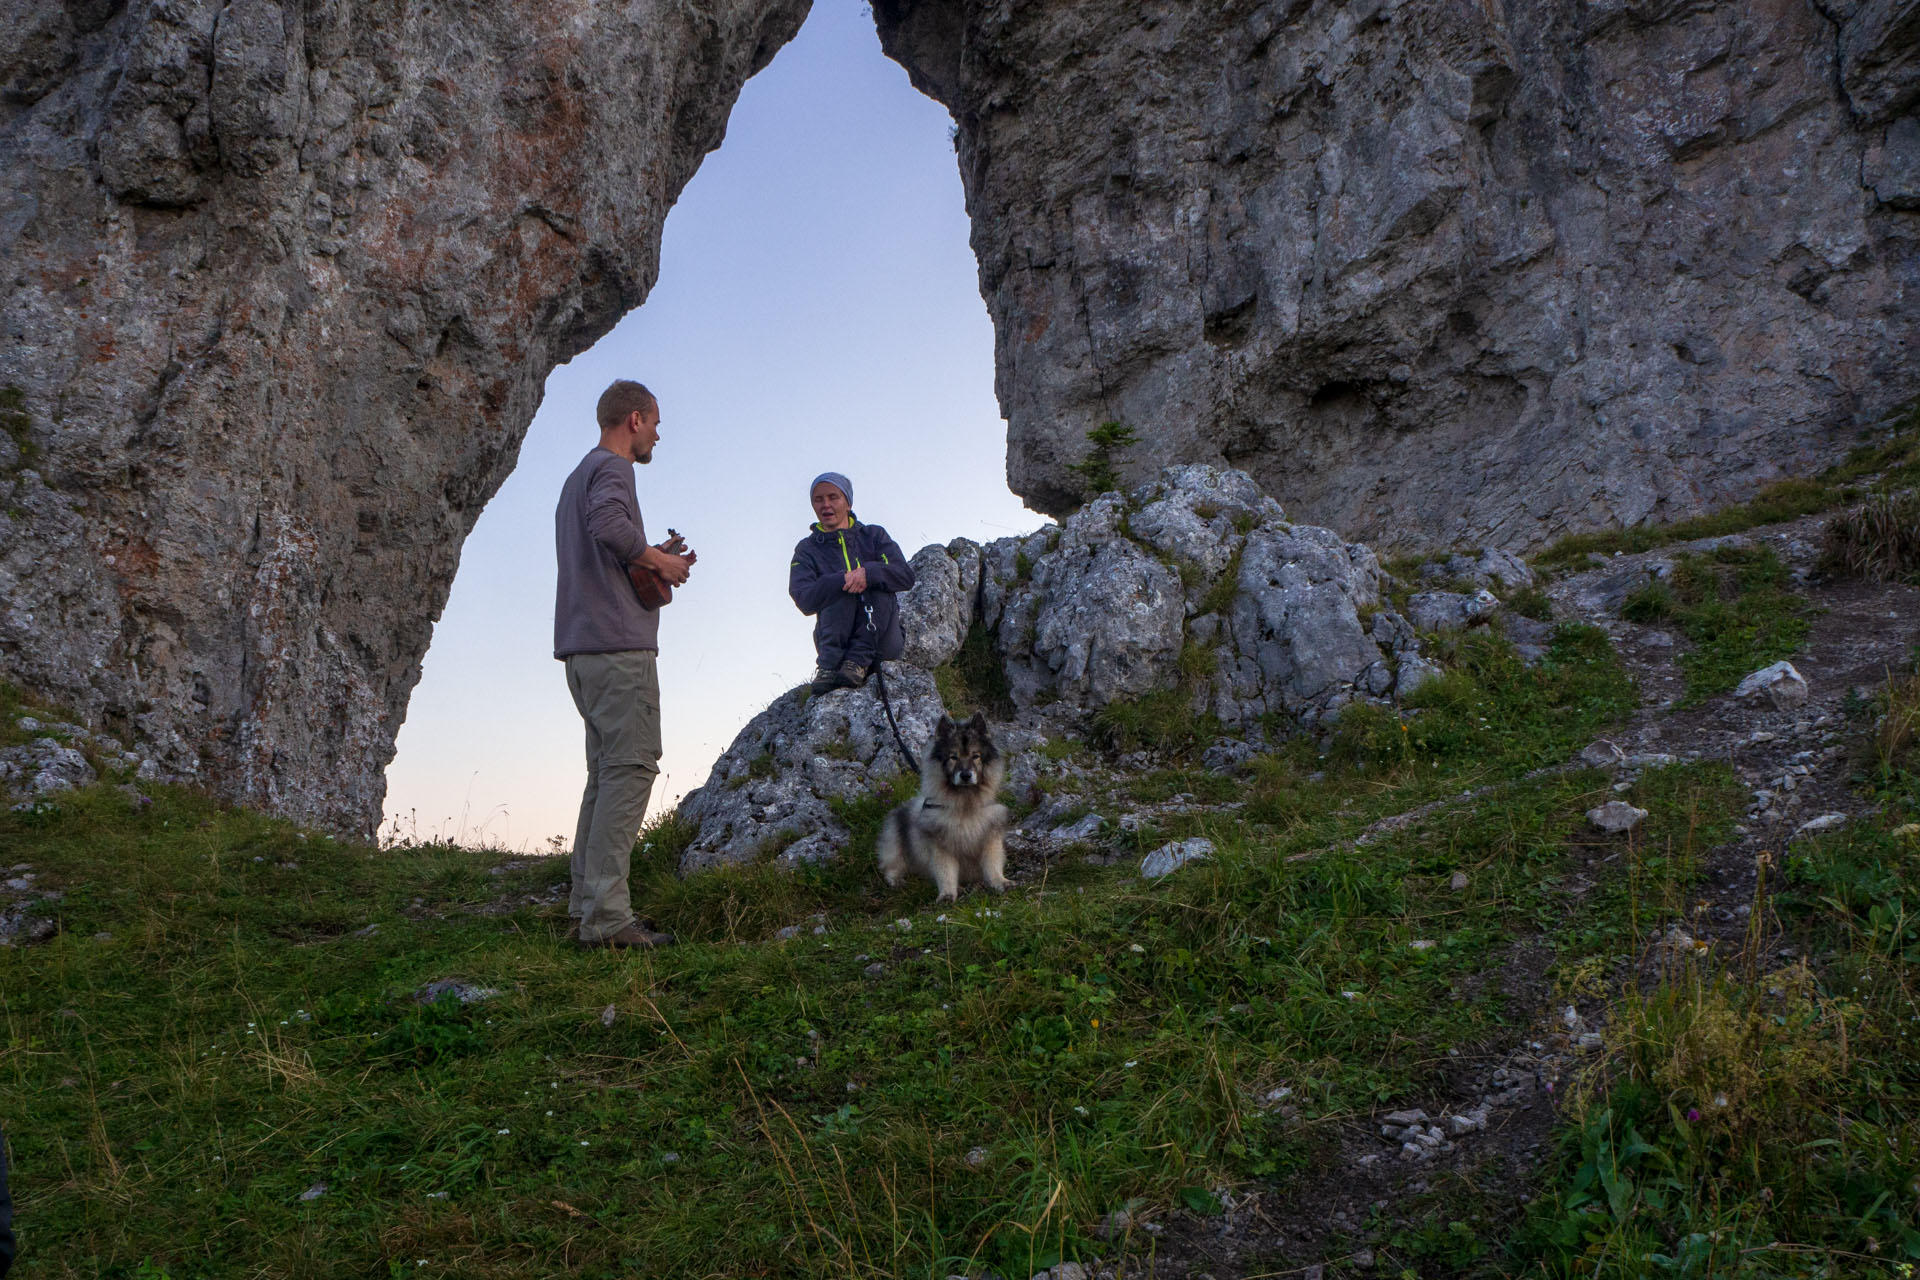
(1879, 540)
(1897, 734)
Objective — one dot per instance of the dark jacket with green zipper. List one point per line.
(820, 565)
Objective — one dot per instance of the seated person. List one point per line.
(846, 574)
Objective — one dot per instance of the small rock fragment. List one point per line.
(1825, 822)
(1782, 684)
(1169, 858)
(1615, 817)
(464, 992)
(607, 1015)
(1458, 881)
(1602, 753)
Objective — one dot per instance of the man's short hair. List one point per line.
(619, 400)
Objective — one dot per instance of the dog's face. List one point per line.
(964, 750)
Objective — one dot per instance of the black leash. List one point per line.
(886, 703)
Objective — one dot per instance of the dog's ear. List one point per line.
(944, 731)
(978, 723)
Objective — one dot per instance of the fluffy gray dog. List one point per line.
(952, 830)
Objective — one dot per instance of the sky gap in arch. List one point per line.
(818, 309)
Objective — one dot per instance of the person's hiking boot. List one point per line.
(635, 936)
(823, 681)
(851, 675)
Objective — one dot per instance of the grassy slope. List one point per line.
(1101, 1039)
(212, 1034)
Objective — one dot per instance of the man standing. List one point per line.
(609, 642)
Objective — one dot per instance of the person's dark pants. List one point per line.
(842, 635)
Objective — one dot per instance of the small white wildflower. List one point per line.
(583, 1142)
(503, 1132)
(1136, 948)
(1134, 1063)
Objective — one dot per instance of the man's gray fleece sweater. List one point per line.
(596, 531)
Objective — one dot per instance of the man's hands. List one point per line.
(670, 559)
(855, 581)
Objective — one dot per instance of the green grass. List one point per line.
(213, 1031)
(1733, 604)
(1754, 1114)
(973, 679)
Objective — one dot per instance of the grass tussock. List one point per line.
(975, 679)
(1879, 540)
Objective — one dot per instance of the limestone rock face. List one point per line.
(1436, 272)
(281, 285)
(1102, 607)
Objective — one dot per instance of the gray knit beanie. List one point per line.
(835, 479)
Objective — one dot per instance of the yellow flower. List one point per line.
(1096, 1024)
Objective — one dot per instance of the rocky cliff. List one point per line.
(282, 285)
(1439, 270)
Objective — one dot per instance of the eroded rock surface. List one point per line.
(1435, 272)
(281, 285)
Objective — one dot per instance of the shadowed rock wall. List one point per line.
(281, 286)
(1439, 270)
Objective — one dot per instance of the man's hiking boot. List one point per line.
(634, 936)
(851, 675)
(823, 681)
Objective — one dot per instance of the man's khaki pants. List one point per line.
(618, 695)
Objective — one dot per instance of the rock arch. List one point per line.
(283, 279)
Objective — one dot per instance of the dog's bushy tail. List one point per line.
(895, 836)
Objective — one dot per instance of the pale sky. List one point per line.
(818, 310)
